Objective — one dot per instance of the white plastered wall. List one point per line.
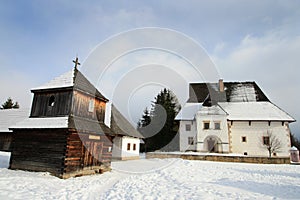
(202, 134)
(120, 148)
(184, 135)
(254, 134)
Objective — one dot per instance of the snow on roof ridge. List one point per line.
(64, 80)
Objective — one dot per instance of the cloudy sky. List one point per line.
(247, 41)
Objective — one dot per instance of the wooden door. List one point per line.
(92, 154)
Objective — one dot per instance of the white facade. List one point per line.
(188, 128)
(212, 130)
(237, 128)
(126, 148)
(247, 137)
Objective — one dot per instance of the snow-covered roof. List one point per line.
(188, 111)
(73, 78)
(10, 117)
(64, 80)
(243, 93)
(261, 111)
(45, 122)
(211, 110)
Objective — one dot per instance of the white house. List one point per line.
(126, 143)
(233, 117)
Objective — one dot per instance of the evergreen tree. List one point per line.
(9, 104)
(168, 128)
(146, 119)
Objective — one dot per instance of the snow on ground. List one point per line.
(158, 179)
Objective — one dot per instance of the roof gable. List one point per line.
(71, 79)
(120, 125)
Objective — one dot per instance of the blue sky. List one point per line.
(249, 40)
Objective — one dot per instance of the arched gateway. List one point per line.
(213, 144)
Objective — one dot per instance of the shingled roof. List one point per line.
(72, 79)
(121, 126)
(234, 92)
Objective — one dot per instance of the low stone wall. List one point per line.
(220, 158)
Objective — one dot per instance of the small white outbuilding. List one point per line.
(126, 143)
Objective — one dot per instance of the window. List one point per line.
(134, 147)
(188, 127)
(128, 146)
(51, 101)
(217, 125)
(205, 125)
(266, 140)
(91, 105)
(190, 140)
(244, 139)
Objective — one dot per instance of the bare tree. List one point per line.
(271, 143)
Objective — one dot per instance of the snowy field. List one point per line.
(158, 179)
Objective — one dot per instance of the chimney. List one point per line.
(221, 85)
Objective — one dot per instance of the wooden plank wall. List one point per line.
(61, 107)
(81, 103)
(86, 152)
(39, 150)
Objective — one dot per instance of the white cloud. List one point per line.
(271, 60)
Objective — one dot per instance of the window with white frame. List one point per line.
(188, 127)
(128, 146)
(191, 140)
(206, 125)
(244, 139)
(134, 147)
(91, 105)
(217, 125)
(266, 140)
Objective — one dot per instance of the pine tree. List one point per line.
(8, 104)
(167, 127)
(146, 119)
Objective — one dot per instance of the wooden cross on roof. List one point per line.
(76, 62)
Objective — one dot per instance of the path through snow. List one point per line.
(158, 179)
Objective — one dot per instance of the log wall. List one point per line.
(39, 150)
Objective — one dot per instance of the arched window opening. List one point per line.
(51, 101)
